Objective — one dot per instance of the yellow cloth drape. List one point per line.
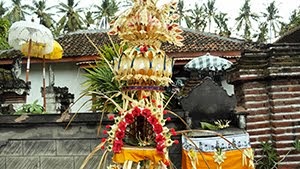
(38, 48)
(234, 160)
(138, 154)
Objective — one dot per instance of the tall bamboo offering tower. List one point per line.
(139, 138)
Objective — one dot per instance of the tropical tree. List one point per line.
(272, 19)
(294, 21)
(71, 19)
(182, 13)
(210, 12)
(221, 21)
(245, 19)
(4, 26)
(89, 19)
(2, 9)
(105, 12)
(196, 20)
(39, 8)
(17, 12)
(262, 34)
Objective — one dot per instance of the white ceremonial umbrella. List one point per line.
(209, 63)
(22, 32)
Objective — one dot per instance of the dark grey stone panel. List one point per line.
(39, 147)
(57, 163)
(73, 147)
(13, 147)
(2, 162)
(22, 163)
(92, 163)
(176, 160)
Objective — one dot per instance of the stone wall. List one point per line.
(267, 85)
(40, 142)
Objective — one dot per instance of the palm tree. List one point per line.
(71, 19)
(17, 11)
(106, 12)
(263, 32)
(244, 19)
(197, 18)
(210, 12)
(181, 12)
(294, 21)
(272, 19)
(221, 20)
(39, 8)
(2, 9)
(88, 19)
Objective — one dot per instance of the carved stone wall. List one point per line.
(40, 142)
(267, 85)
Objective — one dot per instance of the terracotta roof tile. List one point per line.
(76, 44)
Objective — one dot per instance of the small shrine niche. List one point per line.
(208, 102)
(13, 90)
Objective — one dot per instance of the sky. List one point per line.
(231, 7)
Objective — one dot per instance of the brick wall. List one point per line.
(40, 142)
(267, 85)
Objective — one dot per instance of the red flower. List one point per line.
(160, 138)
(152, 120)
(111, 117)
(153, 101)
(176, 142)
(145, 97)
(120, 134)
(118, 144)
(129, 118)
(165, 111)
(146, 113)
(157, 128)
(168, 119)
(107, 126)
(136, 111)
(159, 106)
(167, 163)
(103, 139)
(173, 132)
(122, 126)
(160, 147)
(143, 49)
(102, 147)
(104, 131)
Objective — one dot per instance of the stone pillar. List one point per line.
(267, 85)
(51, 103)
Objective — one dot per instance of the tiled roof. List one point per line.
(76, 44)
(292, 36)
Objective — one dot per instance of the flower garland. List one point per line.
(162, 134)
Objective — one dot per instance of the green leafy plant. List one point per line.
(269, 157)
(33, 108)
(100, 83)
(296, 145)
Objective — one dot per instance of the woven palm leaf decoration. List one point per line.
(145, 69)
